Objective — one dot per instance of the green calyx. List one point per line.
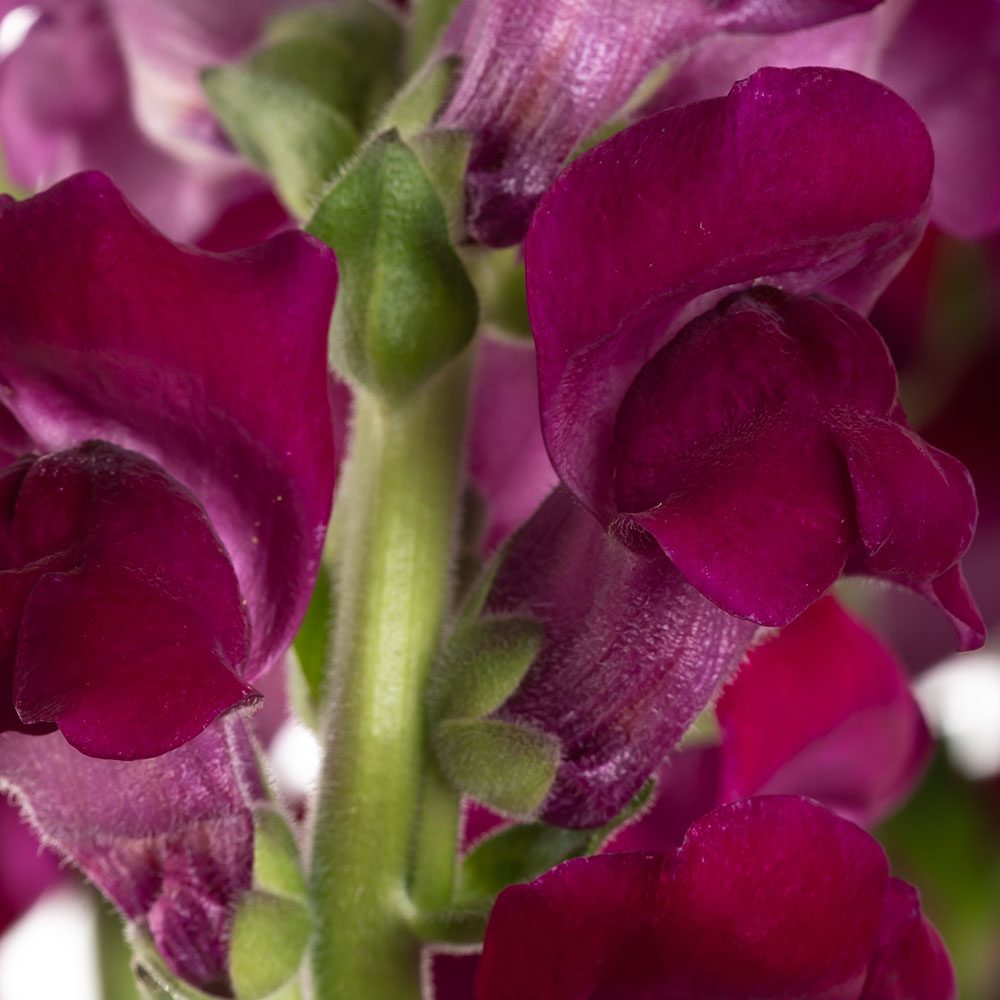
(405, 307)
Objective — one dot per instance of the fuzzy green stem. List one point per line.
(436, 848)
(396, 528)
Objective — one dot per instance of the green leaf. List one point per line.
(503, 765)
(269, 940)
(276, 865)
(444, 155)
(522, 853)
(405, 306)
(482, 665)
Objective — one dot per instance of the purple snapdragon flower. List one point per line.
(538, 76)
(729, 427)
(164, 508)
(766, 898)
(755, 433)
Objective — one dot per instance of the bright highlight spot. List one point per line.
(51, 951)
(961, 699)
(15, 26)
(295, 757)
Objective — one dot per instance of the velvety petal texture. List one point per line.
(632, 655)
(130, 640)
(766, 899)
(653, 226)
(844, 728)
(220, 517)
(731, 447)
(539, 75)
(169, 841)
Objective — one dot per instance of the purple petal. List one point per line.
(169, 840)
(912, 962)
(658, 223)
(539, 75)
(130, 639)
(946, 63)
(26, 869)
(766, 898)
(632, 655)
(851, 734)
(723, 455)
(508, 463)
(197, 370)
(167, 44)
(916, 515)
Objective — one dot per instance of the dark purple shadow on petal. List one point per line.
(632, 655)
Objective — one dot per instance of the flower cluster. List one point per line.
(597, 496)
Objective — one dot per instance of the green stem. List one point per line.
(428, 21)
(436, 848)
(396, 528)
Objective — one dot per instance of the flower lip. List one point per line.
(765, 450)
(123, 620)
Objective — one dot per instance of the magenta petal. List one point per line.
(168, 840)
(216, 370)
(572, 934)
(26, 869)
(658, 223)
(946, 63)
(850, 735)
(722, 451)
(766, 899)
(508, 464)
(912, 963)
(539, 75)
(632, 655)
(122, 619)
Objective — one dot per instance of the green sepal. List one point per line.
(348, 54)
(152, 974)
(297, 108)
(269, 940)
(277, 868)
(405, 306)
(502, 764)
(444, 155)
(522, 853)
(415, 107)
(499, 278)
(312, 647)
(282, 128)
(481, 666)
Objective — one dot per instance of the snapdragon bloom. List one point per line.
(705, 380)
(164, 508)
(765, 898)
